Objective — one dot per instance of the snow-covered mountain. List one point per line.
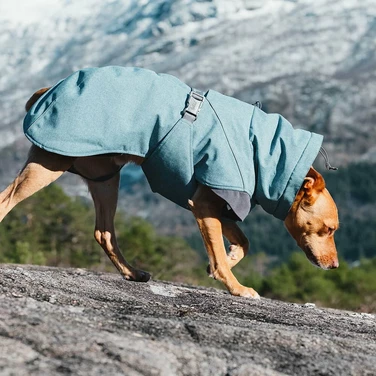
(311, 60)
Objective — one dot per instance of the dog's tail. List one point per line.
(35, 97)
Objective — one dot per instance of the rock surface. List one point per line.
(74, 321)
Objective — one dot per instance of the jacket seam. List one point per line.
(228, 143)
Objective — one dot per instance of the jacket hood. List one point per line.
(282, 158)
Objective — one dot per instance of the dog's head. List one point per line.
(312, 221)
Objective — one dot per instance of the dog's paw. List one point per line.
(143, 276)
(251, 294)
(138, 276)
(246, 292)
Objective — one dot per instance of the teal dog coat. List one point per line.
(246, 156)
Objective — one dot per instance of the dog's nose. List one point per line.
(335, 264)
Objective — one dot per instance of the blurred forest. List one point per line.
(52, 228)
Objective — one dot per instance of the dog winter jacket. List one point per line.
(246, 156)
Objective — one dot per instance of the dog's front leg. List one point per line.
(206, 206)
(105, 195)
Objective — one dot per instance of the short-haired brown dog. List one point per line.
(311, 221)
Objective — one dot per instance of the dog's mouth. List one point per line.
(311, 257)
(324, 262)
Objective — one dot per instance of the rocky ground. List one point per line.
(74, 321)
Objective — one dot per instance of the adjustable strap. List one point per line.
(326, 157)
(194, 104)
(97, 179)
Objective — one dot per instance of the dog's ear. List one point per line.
(313, 183)
(35, 97)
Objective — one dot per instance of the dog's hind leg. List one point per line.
(206, 206)
(105, 195)
(239, 242)
(41, 169)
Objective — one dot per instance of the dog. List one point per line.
(209, 153)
